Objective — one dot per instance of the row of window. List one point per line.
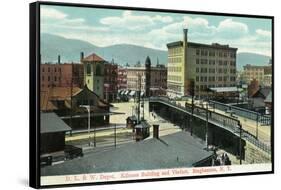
(213, 70)
(213, 62)
(174, 59)
(49, 69)
(174, 78)
(213, 53)
(213, 78)
(173, 51)
(49, 78)
(174, 69)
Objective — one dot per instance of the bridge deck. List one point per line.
(219, 119)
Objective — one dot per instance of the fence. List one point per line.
(225, 121)
(264, 119)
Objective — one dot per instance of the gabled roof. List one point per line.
(262, 92)
(60, 93)
(268, 99)
(45, 103)
(93, 57)
(51, 123)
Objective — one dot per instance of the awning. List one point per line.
(225, 89)
(85, 115)
(142, 93)
(132, 93)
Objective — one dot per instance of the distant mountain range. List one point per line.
(69, 50)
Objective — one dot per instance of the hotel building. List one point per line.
(207, 65)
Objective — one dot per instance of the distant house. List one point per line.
(52, 130)
(258, 99)
(268, 103)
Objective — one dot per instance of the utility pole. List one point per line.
(143, 107)
(192, 105)
(257, 127)
(207, 121)
(71, 92)
(115, 135)
(240, 142)
(139, 93)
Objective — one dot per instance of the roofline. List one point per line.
(193, 44)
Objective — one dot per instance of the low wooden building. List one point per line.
(52, 138)
(66, 103)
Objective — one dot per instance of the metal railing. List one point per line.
(264, 119)
(226, 122)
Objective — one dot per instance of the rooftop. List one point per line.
(224, 89)
(93, 57)
(171, 151)
(263, 92)
(268, 98)
(51, 123)
(196, 45)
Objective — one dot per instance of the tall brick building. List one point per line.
(61, 75)
(122, 78)
(110, 81)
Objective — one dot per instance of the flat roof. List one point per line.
(225, 89)
(171, 151)
(193, 44)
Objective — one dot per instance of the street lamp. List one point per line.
(89, 120)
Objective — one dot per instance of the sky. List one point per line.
(105, 27)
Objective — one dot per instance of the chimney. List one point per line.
(156, 131)
(58, 59)
(185, 30)
(81, 56)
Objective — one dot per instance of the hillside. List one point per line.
(69, 49)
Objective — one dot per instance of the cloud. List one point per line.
(134, 22)
(56, 22)
(155, 31)
(51, 13)
(263, 35)
(232, 29)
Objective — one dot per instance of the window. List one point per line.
(49, 78)
(98, 70)
(49, 69)
(212, 53)
(225, 63)
(55, 78)
(92, 102)
(89, 69)
(42, 78)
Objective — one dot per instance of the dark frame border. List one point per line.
(34, 99)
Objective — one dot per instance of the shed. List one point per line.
(52, 132)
